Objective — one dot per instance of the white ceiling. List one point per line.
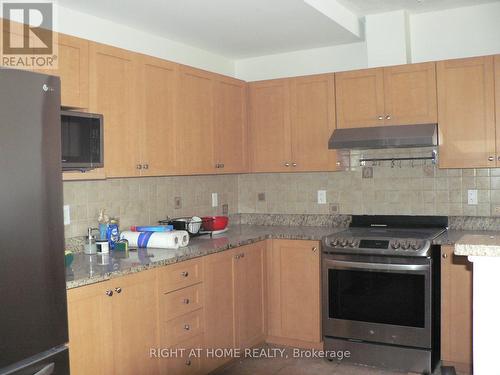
(232, 28)
(364, 7)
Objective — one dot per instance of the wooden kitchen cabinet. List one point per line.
(456, 310)
(497, 108)
(293, 282)
(398, 95)
(230, 129)
(195, 125)
(312, 123)
(466, 100)
(269, 133)
(112, 333)
(114, 92)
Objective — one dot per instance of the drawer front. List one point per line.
(181, 302)
(180, 275)
(186, 364)
(183, 328)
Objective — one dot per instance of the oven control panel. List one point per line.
(393, 246)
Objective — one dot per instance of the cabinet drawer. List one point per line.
(186, 364)
(181, 302)
(180, 275)
(183, 328)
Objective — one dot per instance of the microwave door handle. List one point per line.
(346, 265)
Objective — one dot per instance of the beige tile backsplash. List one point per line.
(142, 201)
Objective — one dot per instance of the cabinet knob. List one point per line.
(217, 165)
(138, 166)
(187, 327)
(237, 256)
(388, 117)
(242, 255)
(118, 290)
(287, 164)
(145, 166)
(186, 301)
(188, 362)
(185, 274)
(314, 249)
(338, 164)
(380, 118)
(109, 293)
(444, 255)
(294, 164)
(491, 158)
(222, 165)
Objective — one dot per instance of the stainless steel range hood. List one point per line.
(399, 136)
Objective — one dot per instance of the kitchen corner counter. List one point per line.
(487, 245)
(454, 236)
(90, 269)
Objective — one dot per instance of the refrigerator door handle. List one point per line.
(47, 370)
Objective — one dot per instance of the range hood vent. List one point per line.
(399, 136)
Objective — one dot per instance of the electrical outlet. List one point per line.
(215, 199)
(67, 220)
(472, 197)
(496, 210)
(321, 196)
(225, 209)
(261, 197)
(334, 208)
(367, 172)
(177, 202)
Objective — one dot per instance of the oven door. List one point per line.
(377, 302)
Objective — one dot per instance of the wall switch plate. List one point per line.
(472, 197)
(321, 196)
(225, 209)
(261, 197)
(334, 208)
(177, 202)
(215, 199)
(496, 210)
(367, 172)
(67, 220)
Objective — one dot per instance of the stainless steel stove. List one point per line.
(380, 291)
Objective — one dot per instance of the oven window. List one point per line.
(377, 297)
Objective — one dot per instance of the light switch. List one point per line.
(472, 197)
(67, 220)
(321, 196)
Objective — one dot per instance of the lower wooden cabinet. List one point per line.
(456, 310)
(293, 293)
(113, 325)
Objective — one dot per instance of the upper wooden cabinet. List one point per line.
(230, 130)
(313, 122)
(158, 85)
(497, 101)
(291, 121)
(269, 133)
(195, 121)
(114, 92)
(466, 100)
(399, 95)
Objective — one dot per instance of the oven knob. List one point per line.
(354, 243)
(405, 245)
(344, 243)
(415, 245)
(395, 245)
(334, 243)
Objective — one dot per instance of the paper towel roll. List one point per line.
(160, 240)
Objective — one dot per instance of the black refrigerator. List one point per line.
(33, 316)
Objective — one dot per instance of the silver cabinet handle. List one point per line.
(338, 164)
(187, 327)
(217, 165)
(118, 290)
(287, 164)
(238, 256)
(294, 164)
(388, 117)
(445, 255)
(491, 158)
(186, 301)
(185, 274)
(145, 166)
(109, 293)
(380, 117)
(314, 249)
(138, 166)
(47, 370)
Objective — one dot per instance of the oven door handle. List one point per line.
(341, 264)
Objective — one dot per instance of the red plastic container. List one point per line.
(213, 223)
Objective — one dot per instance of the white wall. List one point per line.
(460, 32)
(100, 30)
(312, 61)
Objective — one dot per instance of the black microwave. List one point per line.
(82, 140)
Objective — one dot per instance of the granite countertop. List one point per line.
(479, 245)
(90, 269)
(453, 236)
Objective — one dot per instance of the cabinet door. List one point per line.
(466, 101)
(497, 109)
(456, 310)
(90, 332)
(313, 122)
(300, 302)
(195, 131)
(360, 98)
(218, 285)
(113, 92)
(250, 281)
(269, 115)
(230, 125)
(410, 94)
(158, 154)
(135, 324)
